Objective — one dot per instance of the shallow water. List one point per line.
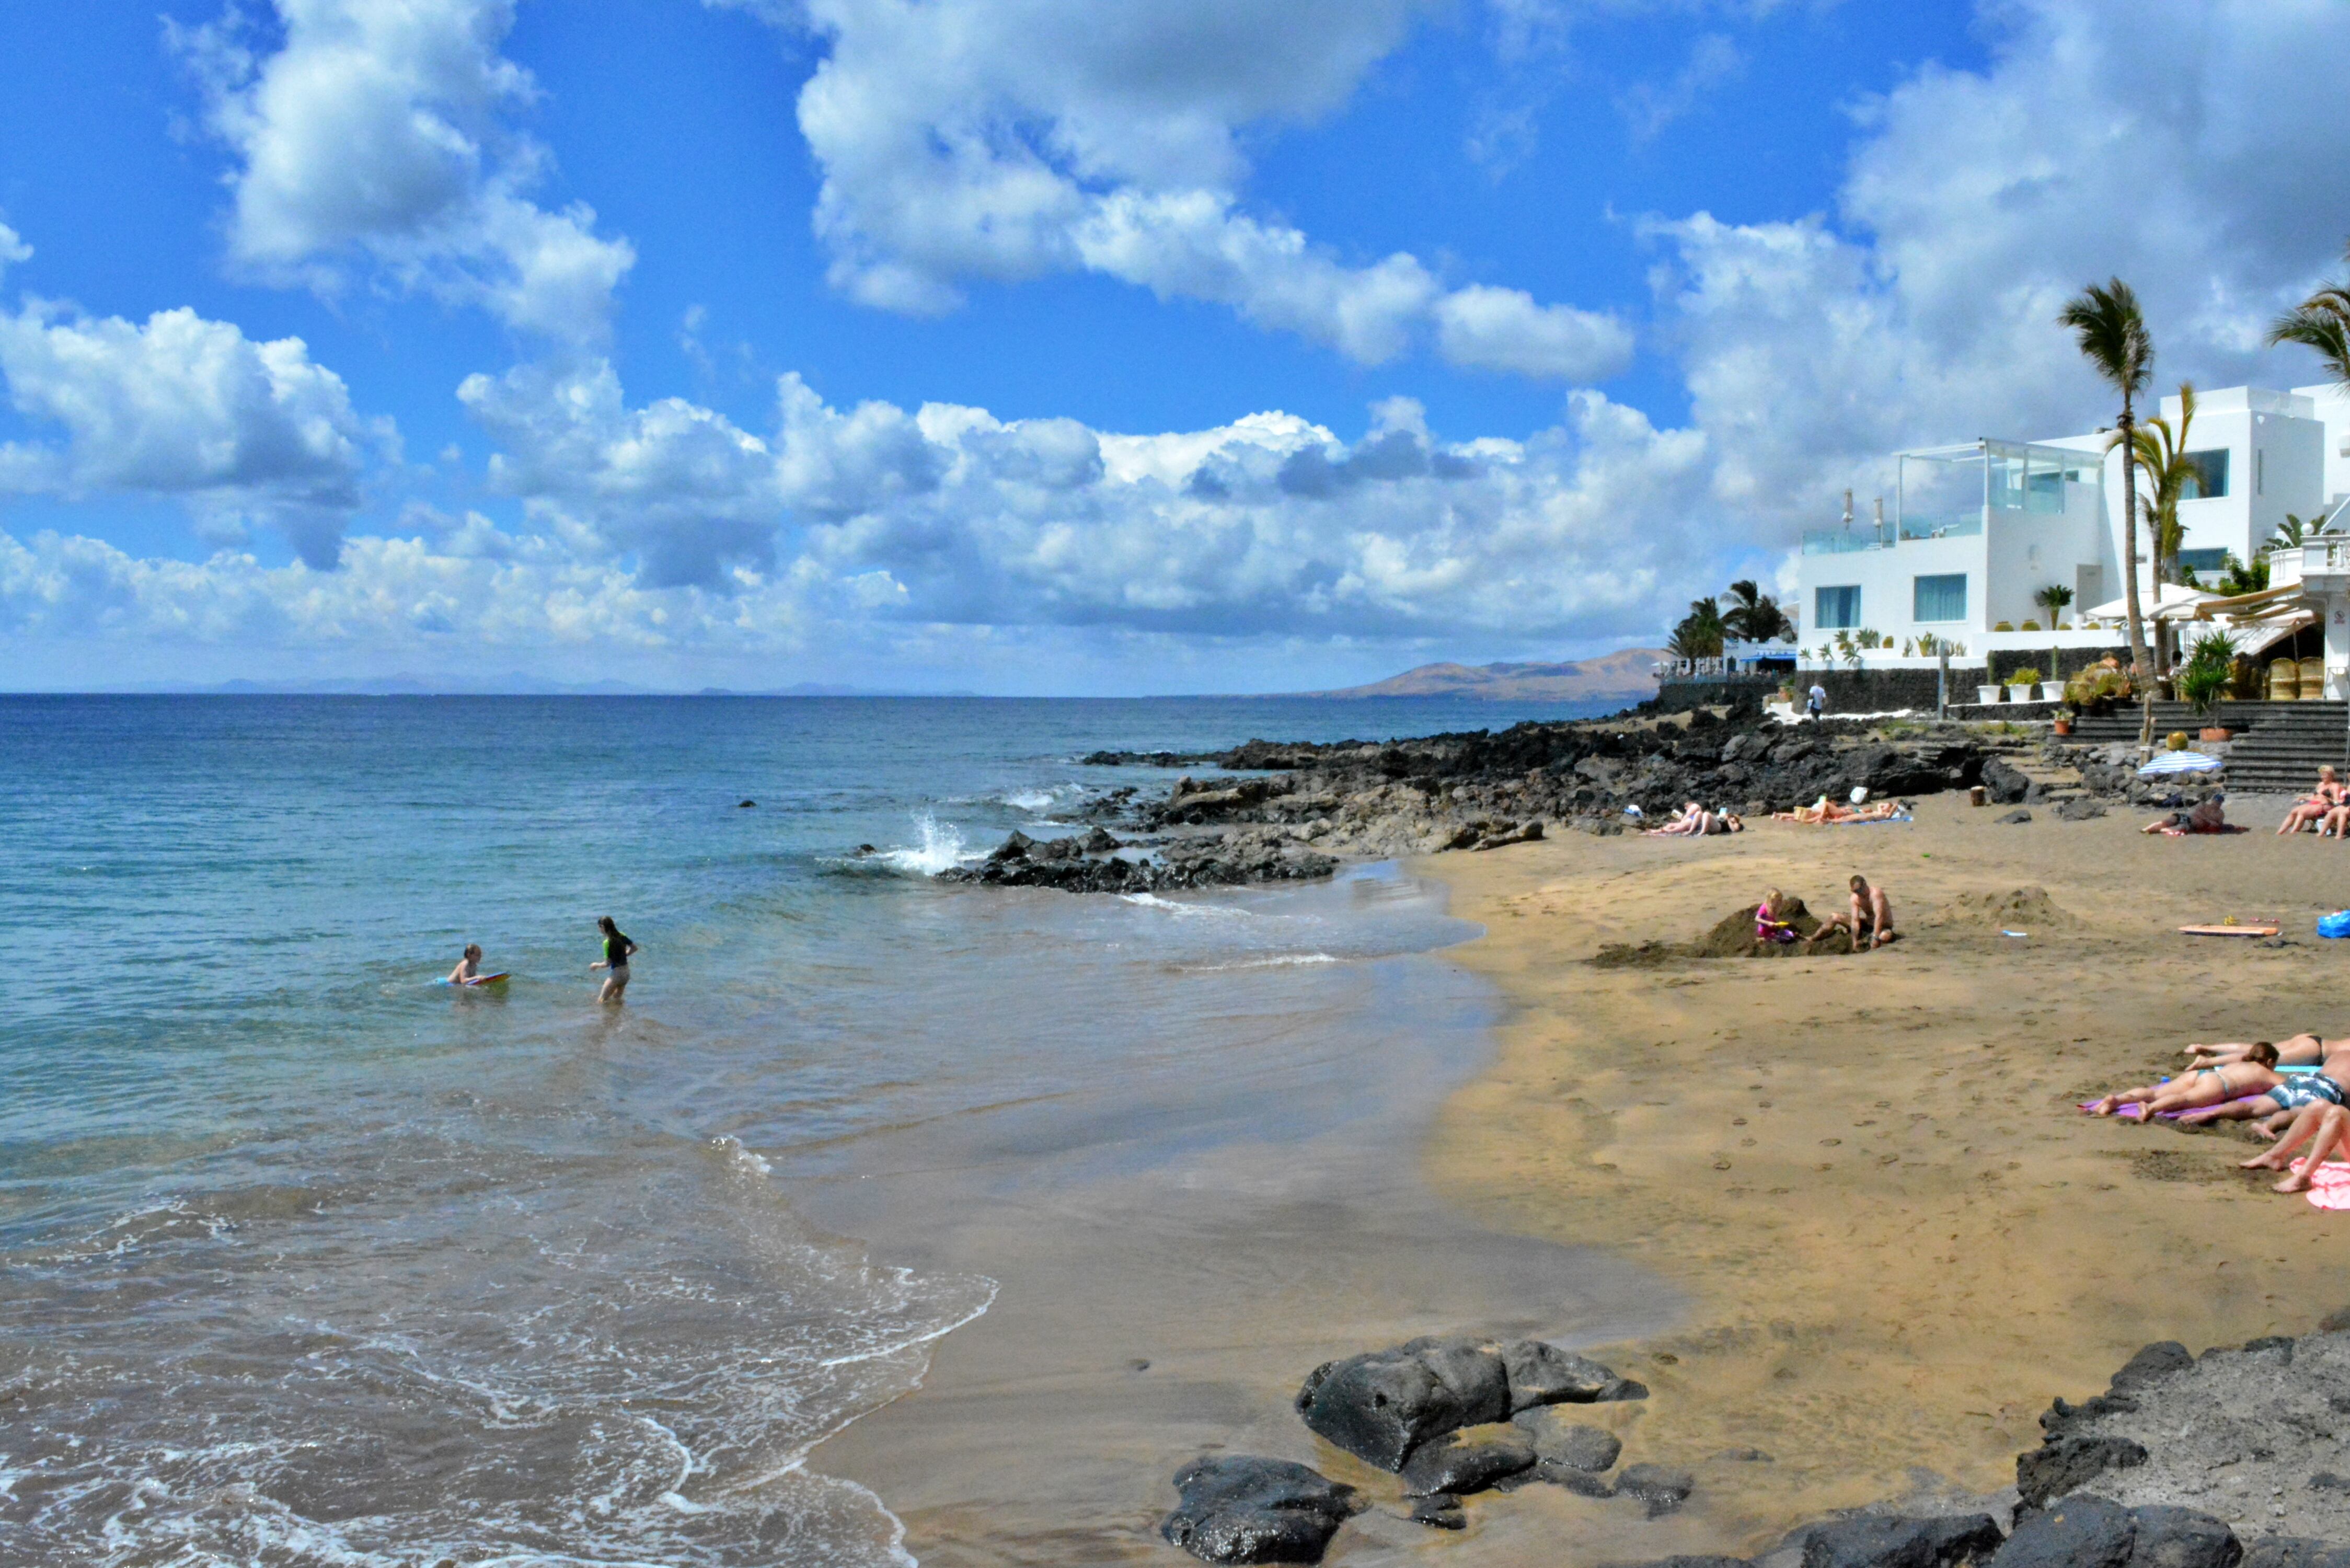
(305, 1259)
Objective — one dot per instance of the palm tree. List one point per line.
(1754, 615)
(1698, 634)
(2162, 454)
(2053, 598)
(2111, 330)
(2320, 322)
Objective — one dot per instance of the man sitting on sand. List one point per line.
(2198, 1087)
(1871, 911)
(2205, 819)
(2322, 1126)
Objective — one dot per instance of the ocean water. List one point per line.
(305, 1259)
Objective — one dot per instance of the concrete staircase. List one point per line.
(2279, 746)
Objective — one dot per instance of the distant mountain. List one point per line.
(1625, 674)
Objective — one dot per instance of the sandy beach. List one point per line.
(1896, 1239)
(1838, 1212)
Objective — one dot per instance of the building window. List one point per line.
(2203, 560)
(2261, 472)
(2209, 481)
(1836, 609)
(1940, 597)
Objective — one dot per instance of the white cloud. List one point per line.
(1975, 204)
(376, 131)
(1009, 139)
(12, 249)
(1505, 329)
(1648, 108)
(183, 406)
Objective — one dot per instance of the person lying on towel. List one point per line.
(2303, 1050)
(2198, 1086)
(2296, 1093)
(2205, 819)
(1825, 811)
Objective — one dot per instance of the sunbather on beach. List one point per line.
(1871, 911)
(2197, 1087)
(2324, 1128)
(1691, 821)
(2319, 805)
(2205, 819)
(2295, 1092)
(2303, 1050)
(1825, 810)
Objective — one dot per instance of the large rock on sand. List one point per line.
(1461, 1463)
(1239, 1508)
(2086, 1531)
(1886, 1541)
(1382, 1405)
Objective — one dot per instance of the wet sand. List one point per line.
(1897, 1238)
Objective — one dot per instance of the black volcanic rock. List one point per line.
(1240, 1509)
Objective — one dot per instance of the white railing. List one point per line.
(2324, 556)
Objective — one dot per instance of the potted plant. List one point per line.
(2208, 673)
(2020, 683)
(1987, 694)
(2063, 721)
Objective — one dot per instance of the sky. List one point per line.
(1063, 347)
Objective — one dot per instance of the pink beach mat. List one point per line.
(2330, 1187)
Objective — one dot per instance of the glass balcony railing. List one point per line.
(1940, 525)
(1842, 541)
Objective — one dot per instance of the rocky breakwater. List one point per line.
(1481, 790)
(1282, 812)
(2233, 1458)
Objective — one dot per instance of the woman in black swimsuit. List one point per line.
(615, 961)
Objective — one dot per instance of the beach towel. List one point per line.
(2330, 1187)
(1874, 820)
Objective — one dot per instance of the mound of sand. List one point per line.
(1732, 936)
(2019, 908)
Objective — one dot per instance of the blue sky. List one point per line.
(1035, 346)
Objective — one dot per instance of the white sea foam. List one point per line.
(942, 849)
(1153, 901)
(1030, 799)
(1274, 960)
(736, 1154)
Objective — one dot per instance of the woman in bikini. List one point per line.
(2198, 1087)
(2321, 805)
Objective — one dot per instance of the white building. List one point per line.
(1972, 532)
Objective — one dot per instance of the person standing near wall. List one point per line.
(1817, 701)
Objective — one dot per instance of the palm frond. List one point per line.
(2111, 330)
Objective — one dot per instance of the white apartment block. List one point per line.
(1972, 531)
